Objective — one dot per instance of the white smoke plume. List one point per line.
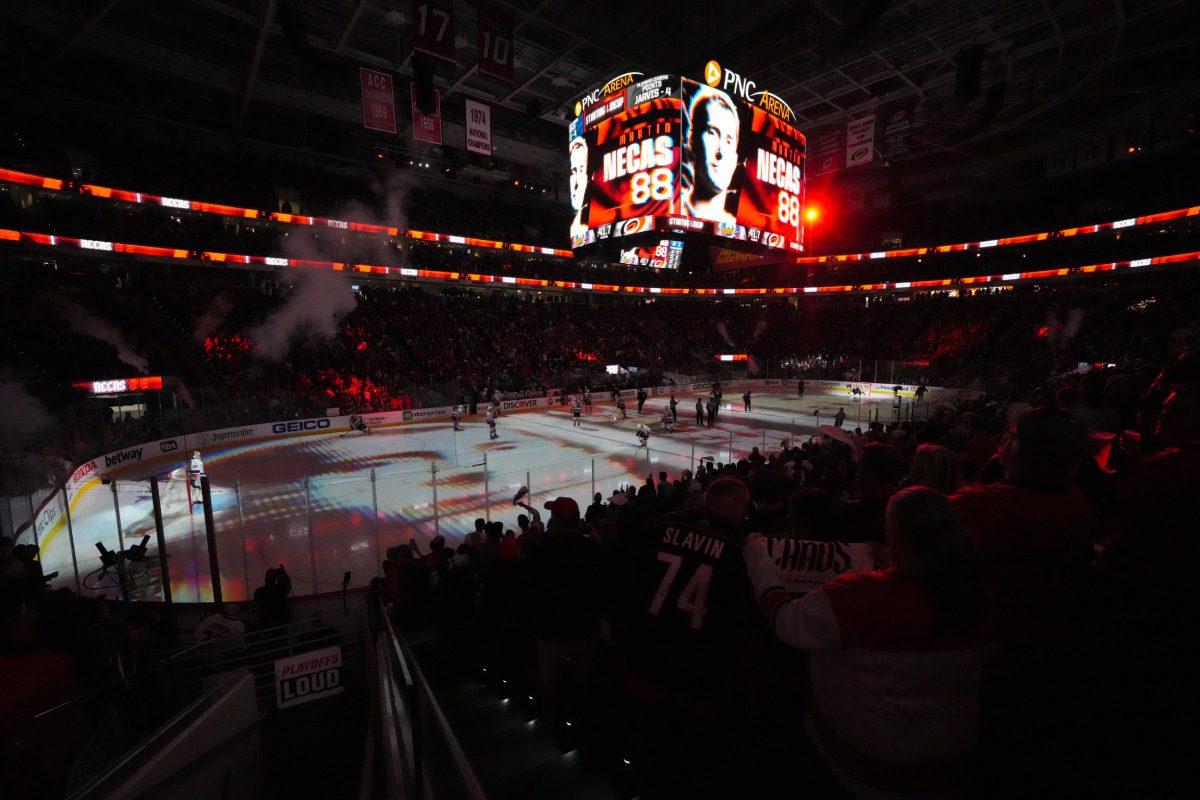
(86, 323)
(323, 297)
(1059, 331)
(721, 329)
(212, 317)
(389, 197)
(319, 301)
(24, 415)
(1074, 323)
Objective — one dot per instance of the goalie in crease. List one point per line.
(195, 473)
(358, 425)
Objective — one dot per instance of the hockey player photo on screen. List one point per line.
(711, 134)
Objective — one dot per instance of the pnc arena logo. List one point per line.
(300, 425)
(729, 81)
(612, 85)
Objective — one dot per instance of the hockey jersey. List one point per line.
(688, 607)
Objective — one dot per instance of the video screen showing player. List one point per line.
(742, 168)
(578, 151)
(632, 161)
(711, 132)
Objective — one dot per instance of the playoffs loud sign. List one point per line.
(308, 676)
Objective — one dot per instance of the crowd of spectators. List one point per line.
(1023, 601)
(401, 346)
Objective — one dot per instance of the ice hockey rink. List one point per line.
(328, 503)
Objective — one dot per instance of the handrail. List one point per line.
(168, 659)
(395, 642)
(128, 761)
(420, 686)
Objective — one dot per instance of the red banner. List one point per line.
(427, 127)
(433, 28)
(494, 43)
(378, 100)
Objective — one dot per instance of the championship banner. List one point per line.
(427, 127)
(896, 121)
(826, 149)
(433, 28)
(494, 43)
(479, 127)
(378, 100)
(860, 141)
(806, 565)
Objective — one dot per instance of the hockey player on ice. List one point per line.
(576, 410)
(358, 425)
(643, 434)
(455, 416)
(490, 418)
(195, 473)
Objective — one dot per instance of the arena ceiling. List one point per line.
(1053, 73)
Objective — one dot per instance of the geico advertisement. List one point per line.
(301, 425)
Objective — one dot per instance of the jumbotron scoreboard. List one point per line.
(662, 164)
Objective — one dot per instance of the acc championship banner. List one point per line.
(479, 128)
(378, 100)
(427, 127)
(860, 141)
